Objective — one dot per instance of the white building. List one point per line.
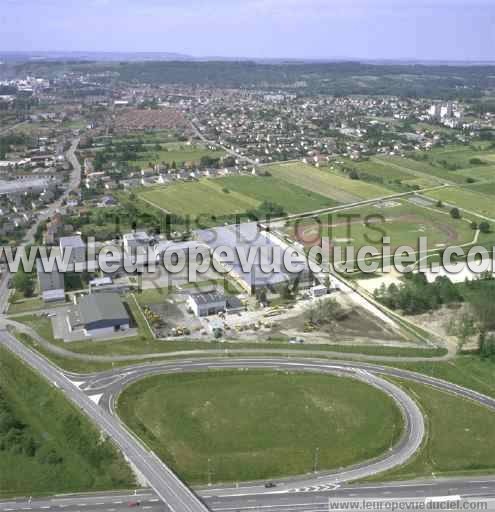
(206, 304)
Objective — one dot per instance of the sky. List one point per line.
(362, 29)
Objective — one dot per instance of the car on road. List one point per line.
(134, 504)
(270, 485)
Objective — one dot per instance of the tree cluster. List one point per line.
(417, 296)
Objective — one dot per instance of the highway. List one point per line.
(96, 394)
(481, 488)
(170, 489)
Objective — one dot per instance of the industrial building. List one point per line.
(76, 246)
(247, 237)
(206, 304)
(99, 314)
(51, 284)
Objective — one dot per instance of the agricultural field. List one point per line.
(402, 220)
(422, 169)
(326, 183)
(173, 152)
(231, 195)
(462, 156)
(484, 188)
(258, 424)
(46, 446)
(483, 172)
(293, 198)
(199, 197)
(381, 169)
(463, 198)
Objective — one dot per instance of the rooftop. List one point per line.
(137, 236)
(102, 306)
(207, 298)
(72, 241)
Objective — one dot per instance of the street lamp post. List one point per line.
(316, 459)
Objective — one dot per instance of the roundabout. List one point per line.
(111, 385)
(239, 425)
(97, 394)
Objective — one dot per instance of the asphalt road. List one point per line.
(475, 489)
(171, 490)
(74, 182)
(297, 492)
(409, 443)
(107, 385)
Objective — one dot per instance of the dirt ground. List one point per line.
(440, 322)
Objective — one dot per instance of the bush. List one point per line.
(455, 213)
(484, 227)
(476, 161)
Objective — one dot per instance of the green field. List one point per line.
(423, 168)
(326, 183)
(293, 198)
(198, 197)
(484, 188)
(258, 425)
(152, 137)
(231, 195)
(381, 168)
(46, 446)
(401, 220)
(484, 172)
(174, 152)
(468, 199)
(461, 155)
(459, 437)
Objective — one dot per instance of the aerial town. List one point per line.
(139, 178)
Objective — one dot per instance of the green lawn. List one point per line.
(199, 197)
(23, 305)
(459, 437)
(326, 183)
(52, 448)
(258, 425)
(423, 168)
(468, 199)
(175, 152)
(461, 155)
(40, 323)
(234, 194)
(293, 198)
(151, 295)
(381, 168)
(484, 188)
(484, 172)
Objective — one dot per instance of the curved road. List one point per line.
(413, 419)
(103, 388)
(132, 358)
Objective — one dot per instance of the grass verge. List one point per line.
(46, 446)
(459, 437)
